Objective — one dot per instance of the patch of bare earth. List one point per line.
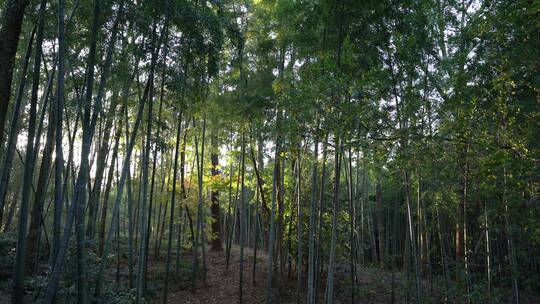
(222, 284)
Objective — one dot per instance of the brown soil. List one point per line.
(223, 284)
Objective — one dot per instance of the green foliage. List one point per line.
(436, 102)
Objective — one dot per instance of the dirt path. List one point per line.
(223, 284)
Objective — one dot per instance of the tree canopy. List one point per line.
(299, 151)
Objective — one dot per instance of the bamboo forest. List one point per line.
(270, 151)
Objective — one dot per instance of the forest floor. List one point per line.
(375, 286)
(223, 284)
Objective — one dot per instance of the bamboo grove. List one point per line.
(330, 138)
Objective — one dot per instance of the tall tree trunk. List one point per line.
(242, 219)
(215, 208)
(110, 176)
(95, 193)
(104, 149)
(260, 193)
(14, 130)
(122, 181)
(229, 218)
(299, 223)
(510, 243)
(270, 267)
(10, 31)
(130, 229)
(256, 226)
(171, 219)
(143, 212)
(312, 215)
(488, 255)
(89, 121)
(41, 187)
(129, 206)
(184, 196)
(288, 252)
(363, 202)
(443, 253)
(352, 225)
(162, 219)
(182, 179)
(199, 227)
(20, 263)
(319, 252)
(59, 159)
(157, 140)
(412, 239)
(329, 296)
(380, 222)
(233, 218)
(37, 207)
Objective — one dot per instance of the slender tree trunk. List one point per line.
(510, 243)
(232, 230)
(352, 226)
(171, 219)
(270, 267)
(117, 245)
(179, 241)
(288, 252)
(141, 275)
(256, 232)
(130, 229)
(10, 31)
(229, 219)
(260, 193)
(380, 222)
(41, 187)
(319, 252)
(184, 195)
(110, 177)
(95, 194)
(20, 263)
(215, 208)
(157, 139)
(371, 226)
(363, 202)
(120, 187)
(14, 130)
(182, 181)
(329, 296)
(89, 121)
(488, 255)
(130, 208)
(462, 255)
(299, 232)
(104, 148)
(242, 219)
(162, 219)
(312, 215)
(281, 254)
(59, 160)
(37, 208)
(442, 248)
(199, 232)
(143, 207)
(410, 231)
